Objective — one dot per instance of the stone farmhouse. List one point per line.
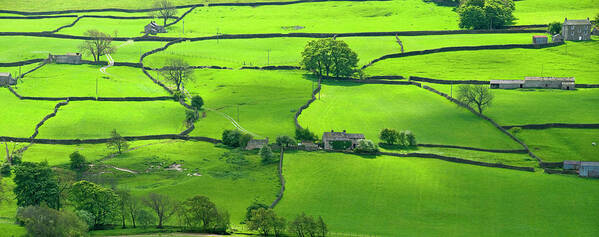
(333, 136)
(564, 83)
(154, 28)
(68, 58)
(584, 168)
(539, 39)
(256, 144)
(6, 79)
(577, 30)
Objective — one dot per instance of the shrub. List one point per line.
(389, 136)
(554, 28)
(266, 155)
(191, 116)
(44, 221)
(197, 102)
(178, 96)
(366, 146)
(244, 139)
(231, 137)
(285, 141)
(5, 170)
(516, 130)
(410, 139)
(86, 217)
(304, 134)
(78, 162)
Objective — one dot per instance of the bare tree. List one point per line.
(177, 71)
(99, 44)
(166, 9)
(133, 208)
(161, 205)
(478, 95)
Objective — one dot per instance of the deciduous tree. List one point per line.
(479, 96)
(43, 221)
(554, 28)
(166, 9)
(285, 141)
(99, 44)
(329, 56)
(117, 142)
(389, 136)
(162, 206)
(177, 71)
(36, 184)
(197, 102)
(101, 202)
(266, 154)
(78, 162)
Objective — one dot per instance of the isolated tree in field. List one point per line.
(36, 184)
(166, 9)
(479, 96)
(117, 142)
(324, 57)
(285, 141)
(554, 28)
(162, 206)
(99, 44)
(78, 162)
(197, 102)
(101, 202)
(177, 71)
(43, 221)
(389, 136)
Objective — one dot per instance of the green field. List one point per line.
(559, 144)
(33, 25)
(55, 80)
(545, 11)
(19, 117)
(369, 108)
(418, 197)
(500, 64)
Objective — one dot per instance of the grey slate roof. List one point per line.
(507, 81)
(342, 135)
(569, 79)
(4, 74)
(589, 163)
(571, 162)
(577, 22)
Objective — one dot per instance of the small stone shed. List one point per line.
(539, 39)
(571, 164)
(256, 144)
(332, 136)
(68, 58)
(564, 83)
(6, 79)
(557, 38)
(589, 169)
(577, 30)
(154, 28)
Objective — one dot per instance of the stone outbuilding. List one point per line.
(351, 139)
(256, 144)
(571, 165)
(154, 28)
(589, 169)
(6, 79)
(564, 83)
(539, 39)
(577, 30)
(68, 58)
(557, 38)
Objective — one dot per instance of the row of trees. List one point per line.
(264, 220)
(486, 14)
(402, 138)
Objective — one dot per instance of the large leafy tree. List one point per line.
(486, 14)
(198, 213)
(101, 202)
(329, 56)
(479, 96)
(117, 142)
(177, 71)
(43, 221)
(36, 184)
(99, 44)
(265, 220)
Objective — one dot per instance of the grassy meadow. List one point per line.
(559, 144)
(391, 196)
(19, 117)
(56, 80)
(574, 59)
(367, 109)
(545, 11)
(34, 25)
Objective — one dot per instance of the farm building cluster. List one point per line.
(564, 83)
(349, 140)
(584, 168)
(154, 28)
(572, 30)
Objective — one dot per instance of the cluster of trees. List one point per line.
(479, 96)
(304, 134)
(264, 220)
(402, 138)
(486, 14)
(193, 115)
(554, 28)
(329, 56)
(235, 138)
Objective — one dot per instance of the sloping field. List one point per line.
(18, 117)
(575, 59)
(98, 119)
(33, 25)
(369, 108)
(417, 197)
(545, 11)
(60, 80)
(559, 144)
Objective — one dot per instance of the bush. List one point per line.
(178, 96)
(554, 28)
(86, 217)
(197, 102)
(191, 116)
(389, 136)
(244, 139)
(266, 155)
(285, 141)
(410, 139)
(78, 162)
(366, 146)
(516, 130)
(5, 170)
(304, 134)
(231, 137)
(45, 221)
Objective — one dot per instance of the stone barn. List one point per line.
(350, 140)
(564, 83)
(577, 30)
(539, 39)
(571, 165)
(6, 79)
(68, 58)
(589, 169)
(154, 28)
(256, 144)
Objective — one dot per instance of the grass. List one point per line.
(514, 159)
(421, 197)
(265, 114)
(367, 109)
(579, 62)
(58, 155)
(33, 25)
(287, 51)
(97, 119)
(40, 47)
(56, 5)
(19, 117)
(543, 11)
(559, 144)
(56, 80)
